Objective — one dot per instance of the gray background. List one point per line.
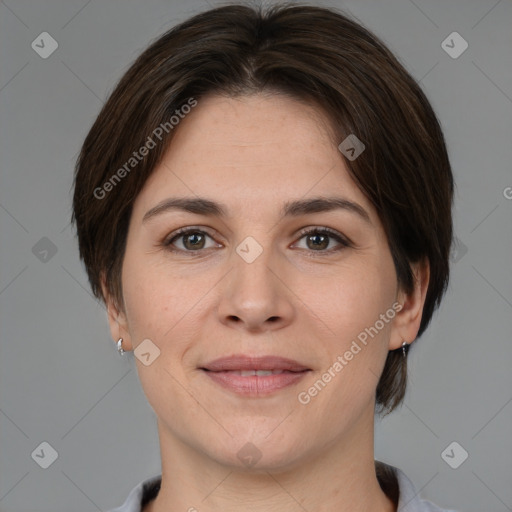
(61, 379)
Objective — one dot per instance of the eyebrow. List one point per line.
(203, 206)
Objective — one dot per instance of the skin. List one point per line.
(296, 300)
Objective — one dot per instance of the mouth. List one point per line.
(255, 376)
(250, 373)
(243, 363)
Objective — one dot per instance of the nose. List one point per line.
(255, 297)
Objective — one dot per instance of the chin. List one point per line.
(254, 453)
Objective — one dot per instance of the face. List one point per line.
(275, 275)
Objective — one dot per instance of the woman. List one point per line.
(264, 205)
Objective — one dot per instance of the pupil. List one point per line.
(322, 239)
(194, 239)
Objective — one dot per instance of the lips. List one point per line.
(255, 377)
(258, 373)
(248, 366)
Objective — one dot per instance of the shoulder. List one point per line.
(397, 485)
(140, 495)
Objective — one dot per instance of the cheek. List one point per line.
(161, 305)
(149, 296)
(353, 299)
(356, 341)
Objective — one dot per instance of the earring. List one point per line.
(119, 346)
(404, 349)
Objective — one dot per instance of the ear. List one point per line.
(116, 318)
(406, 323)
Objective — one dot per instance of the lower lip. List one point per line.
(255, 385)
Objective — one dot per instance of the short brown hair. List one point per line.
(313, 54)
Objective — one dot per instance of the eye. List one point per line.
(319, 240)
(188, 240)
(195, 240)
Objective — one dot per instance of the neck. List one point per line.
(340, 477)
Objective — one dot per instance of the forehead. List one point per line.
(251, 151)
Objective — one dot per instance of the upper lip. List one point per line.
(243, 362)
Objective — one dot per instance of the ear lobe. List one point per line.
(116, 318)
(407, 321)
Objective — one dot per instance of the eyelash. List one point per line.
(344, 243)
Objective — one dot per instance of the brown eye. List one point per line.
(188, 240)
(319, 240)
(193, 241)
